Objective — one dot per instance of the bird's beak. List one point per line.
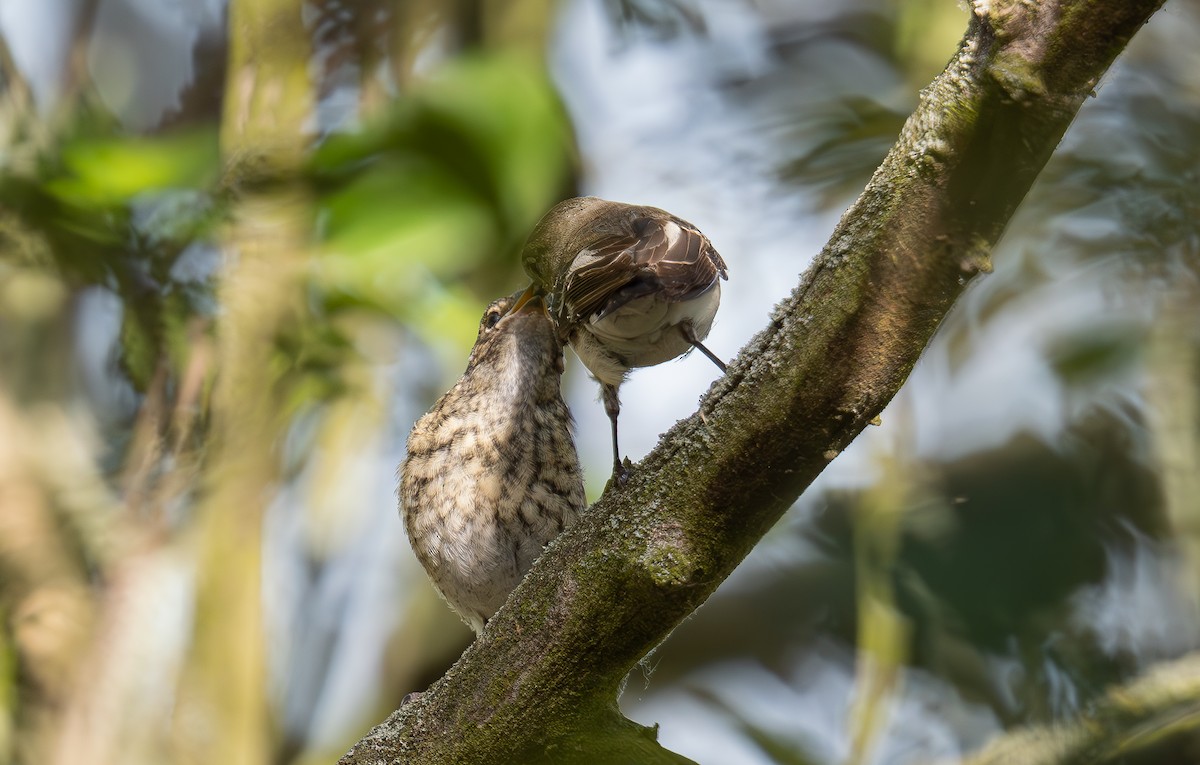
(530, 300)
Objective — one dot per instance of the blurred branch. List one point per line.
(57, 534)
(16, 99)
(415, 28)
(663, 17)
(883, 637)
(1129, 720)
(463, 26)
(116, 713)
(24, 132)
(44, 594)
(268, 104)
(1174, 416)
(268, 95)
(78, 72)
(541, 683)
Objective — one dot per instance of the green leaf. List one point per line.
(109, 171)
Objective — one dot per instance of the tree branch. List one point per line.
(542, 681)
(1127, 721)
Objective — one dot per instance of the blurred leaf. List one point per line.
(662, 19)
(137, 239)
(420, 214)
(397, 216)
(1139, 199)
(119, 211)
(111, 170)
(423, 210)
(82, 243)
(883, 632)
(927, 32)
(492, 122)
(139, 350)
(1094, 353)
(308, 360)
(505, 107)
(783, 750)
(448, 321)
(843, 144)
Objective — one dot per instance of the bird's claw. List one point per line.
(622, 473)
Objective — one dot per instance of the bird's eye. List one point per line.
(493, 318)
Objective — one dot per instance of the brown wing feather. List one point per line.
(688, 268)
(622, 267)
(589, 286)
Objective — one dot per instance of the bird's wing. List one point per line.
(604, 267)
(658, 255)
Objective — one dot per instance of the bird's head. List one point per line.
(569, 226)
(516, 333)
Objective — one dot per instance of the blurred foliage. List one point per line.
(1144, 195)
(882, 637)
(778, 749)
(118, 212)
(1096, 354)
(662, 19)
(151, 306)
(837, 128)
(424, 210)
(845, 141)
(435, 141)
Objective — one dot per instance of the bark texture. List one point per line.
(541, 683)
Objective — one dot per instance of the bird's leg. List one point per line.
(612, 405)
(689, 334)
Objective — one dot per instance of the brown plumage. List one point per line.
(629, 286)
(492, 475)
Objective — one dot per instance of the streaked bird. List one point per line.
(629, 286)
(492, 475)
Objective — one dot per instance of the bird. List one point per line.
(628, 286)
(492, 475)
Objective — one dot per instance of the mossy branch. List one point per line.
(541, 683)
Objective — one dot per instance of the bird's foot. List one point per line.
(622, 473)
(689, 335)
(411, 697)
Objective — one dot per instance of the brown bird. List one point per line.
(629, 286)
(492, 475)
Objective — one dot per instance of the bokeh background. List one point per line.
(243, 246)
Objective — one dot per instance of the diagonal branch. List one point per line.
(542, 680)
